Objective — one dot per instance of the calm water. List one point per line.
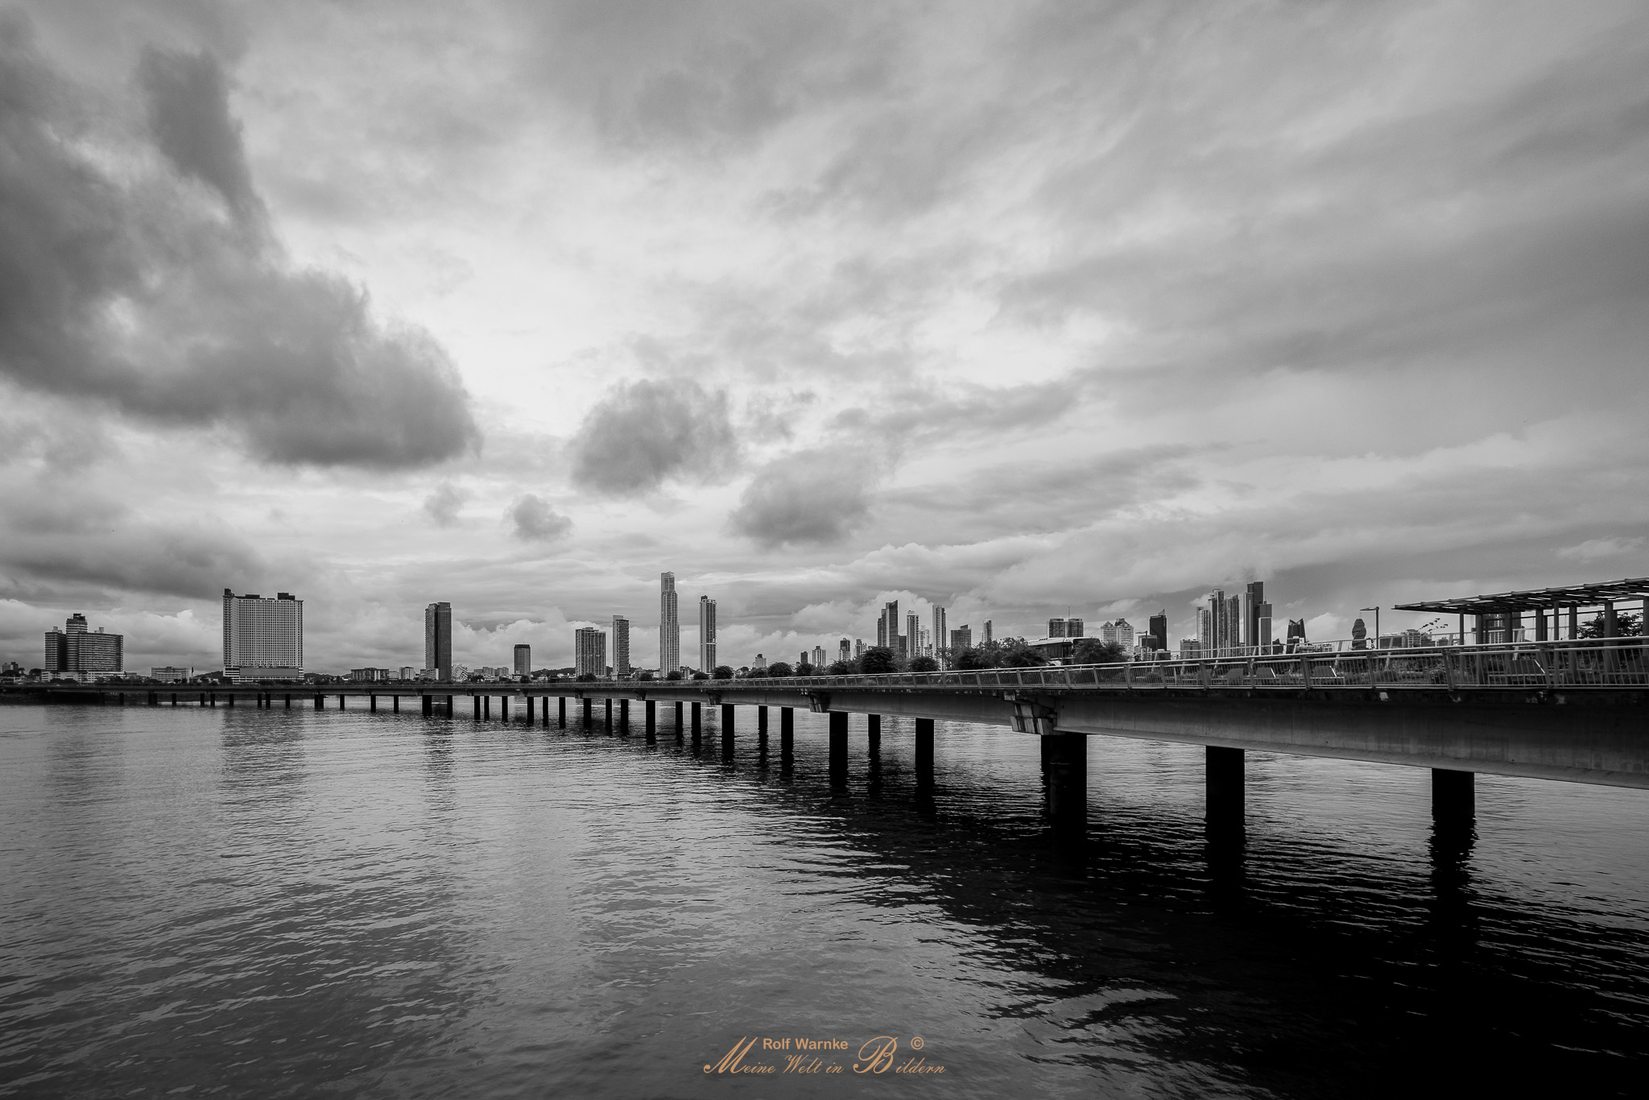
(242, 902)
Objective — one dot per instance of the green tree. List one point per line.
(970, 658)
(805, 669)
(924, 664)
(585, 677)
(877, 660)
(645, 674)
(673, 674)
(779, 668)
(842, 668)
(1017, 653)
(1094, 651)
(701, 675)
(1627, 625)
(723, 672)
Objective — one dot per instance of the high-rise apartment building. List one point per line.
(707, 634)
(669, 625)
(1262, 626)
(523, 660)
(621, 647)
(78, 650)
(1120, 632)
(1056, 628)
(887, 627)
(989, 637)
(961, 638)
(589, 652)
(913, 635)
(818, 656)
(262, 637)
(844, 650)
(438, 639)
(941, 635)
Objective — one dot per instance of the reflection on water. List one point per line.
(279, 903)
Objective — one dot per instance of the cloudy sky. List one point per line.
(1020, 308)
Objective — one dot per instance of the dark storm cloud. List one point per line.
(189, 118)
(809, 498)
(128, 289)
(535, 521)
(646, 432)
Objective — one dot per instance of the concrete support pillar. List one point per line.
(678, 719)
(174, 699)
(761, 728)
(607, 715)
(924, 753)
(787, 732)
(341, 702)
(504, 707)
(1067, 780)
(452, 705)
(429, 705)
(561, 712)
(873, 731)
(624, 717)
(210, 698)
(1574, 623)
(371, 703)
(475, 706)
(727, 729)
(1539, 625)
(586, 702)
(697, 724)
(529, 710)
(651, 709)
(320, 701)
(1453, 798)
(1224, 800)
(395, 703)
(838, 750)
(229, 700)
(288, 703)
(486, 706)
(154, 698)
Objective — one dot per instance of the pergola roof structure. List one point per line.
(1538, 599)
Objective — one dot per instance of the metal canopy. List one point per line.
(1539, 599)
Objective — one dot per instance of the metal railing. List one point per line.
(1550, 666)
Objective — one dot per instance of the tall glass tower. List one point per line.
(438, 639)
(707, 634)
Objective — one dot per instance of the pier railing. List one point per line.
(1522, 666)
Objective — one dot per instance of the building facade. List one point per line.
(171, 674)
(669, 625)
(83, 652)
(523, 660)
(707, 634)
(262, 637)
(1158, 630)
(589, 652)
(961, 638)
(438, 639)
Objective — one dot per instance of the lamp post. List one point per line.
(1376, 611)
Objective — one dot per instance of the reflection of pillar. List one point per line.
(838, 750)
(1224, 803)
(650, 707)
(1067, 778)
(727, 729)
(873, 728)
(924, 753)
(1453, 797)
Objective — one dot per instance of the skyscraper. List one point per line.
(1056, 628)
(818, 657)
(941, 636)
(669, 625)
(523, 660)
(1262, 630)
(1159, 629)
(621, 647)
(589, 652)
(913, 635)
(262, 637)
(707, 634)
(1253, 600)
(75, 649)
(887, 627)
(988, 636)
(961, 638)
(438, 639)
(844, 651)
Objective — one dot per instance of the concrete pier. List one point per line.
(697, 724)
(586, 702)
(320, 701)
(651, 709)
(607, 715)
(475, 701)
(924, 753)
(1067, 780)
(761, 728)
(624, 717)
(838, 750)
(428, 705)
(1225, 782)
(727, 729)
(504, 708)
(371, 703)
(873, 733)
(561, 712)
(1453, 798)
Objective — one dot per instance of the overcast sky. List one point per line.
(1024, 309)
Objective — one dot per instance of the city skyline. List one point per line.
(909, 309)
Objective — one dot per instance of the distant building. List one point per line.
(669, 625)
(941, 634)
(858, 648)
(621, 647)
(408, 672)
(961, 638)
(171, 674)
(262, 637)
(1254, 606)
(818, 656)
(1159, 629)
(913, 635)
(368, 674)
(1056, 628)
(77, 650)
(1190, 648)
(844, 650)
(988, 636)
(438, 639)
(589, 652)
(707, 634)
(887, 627)
(523, 660)
(1296, 633)
(1066, 628)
